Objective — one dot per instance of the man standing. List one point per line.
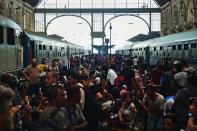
(31, 73)
(51, 79)
(57, 98)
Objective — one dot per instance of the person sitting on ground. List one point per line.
(169, 122)
(127, 111)
(74, 116)
(192, 121)
(153, 105)
(32, 125)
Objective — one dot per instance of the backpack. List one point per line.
(49, 124)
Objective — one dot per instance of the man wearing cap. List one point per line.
(181, 100)
(180, 77)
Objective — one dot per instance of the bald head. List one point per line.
(34, 62)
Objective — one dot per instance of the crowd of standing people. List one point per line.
(98, 93)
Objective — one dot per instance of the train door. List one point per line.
(64, 59)
(165, 49)
(169, 51)
(147, 55)
(180, 51)
(19, 50)
(2, 49)
(26, 44)
(174, 51)
(186, 51)
(32, 51)
(50, 52)
(194, 50)
(161, 48)
(68, 56)
(44, 51)
(40, 50)
(154, 56)
(55, 52)
(11, 49)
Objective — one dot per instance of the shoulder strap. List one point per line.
(69, 112)
(54, 113)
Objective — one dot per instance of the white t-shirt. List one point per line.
(111, 76)
(181, 78)
(135, 60)
(154, 106)
(168, 105)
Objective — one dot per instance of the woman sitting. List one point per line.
(74, 116)
(192, 121)
(127, 111)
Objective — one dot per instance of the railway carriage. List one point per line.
(10, 46)
(179, 46)
(17, 47)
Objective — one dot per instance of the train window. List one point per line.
(1, 35)
(47, 54)
(157, 53)
(161, 48)
(179, 47)
(44, 47)
(164, 54)
(51, 47)
(193, 45)
(10, 36)
(155, 48)
(40, 47)
(185, 46)
(174, 47)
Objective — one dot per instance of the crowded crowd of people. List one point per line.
(98, 93)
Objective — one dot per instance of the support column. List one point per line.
(103, 38)
(92, 39)
(45, 23)
(103, 30)
(150, 19)
(150, 22)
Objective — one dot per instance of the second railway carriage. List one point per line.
(41, 46)
(179, 46)
(125, 50)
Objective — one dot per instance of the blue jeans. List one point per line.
(34, 89)
(154, 123)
